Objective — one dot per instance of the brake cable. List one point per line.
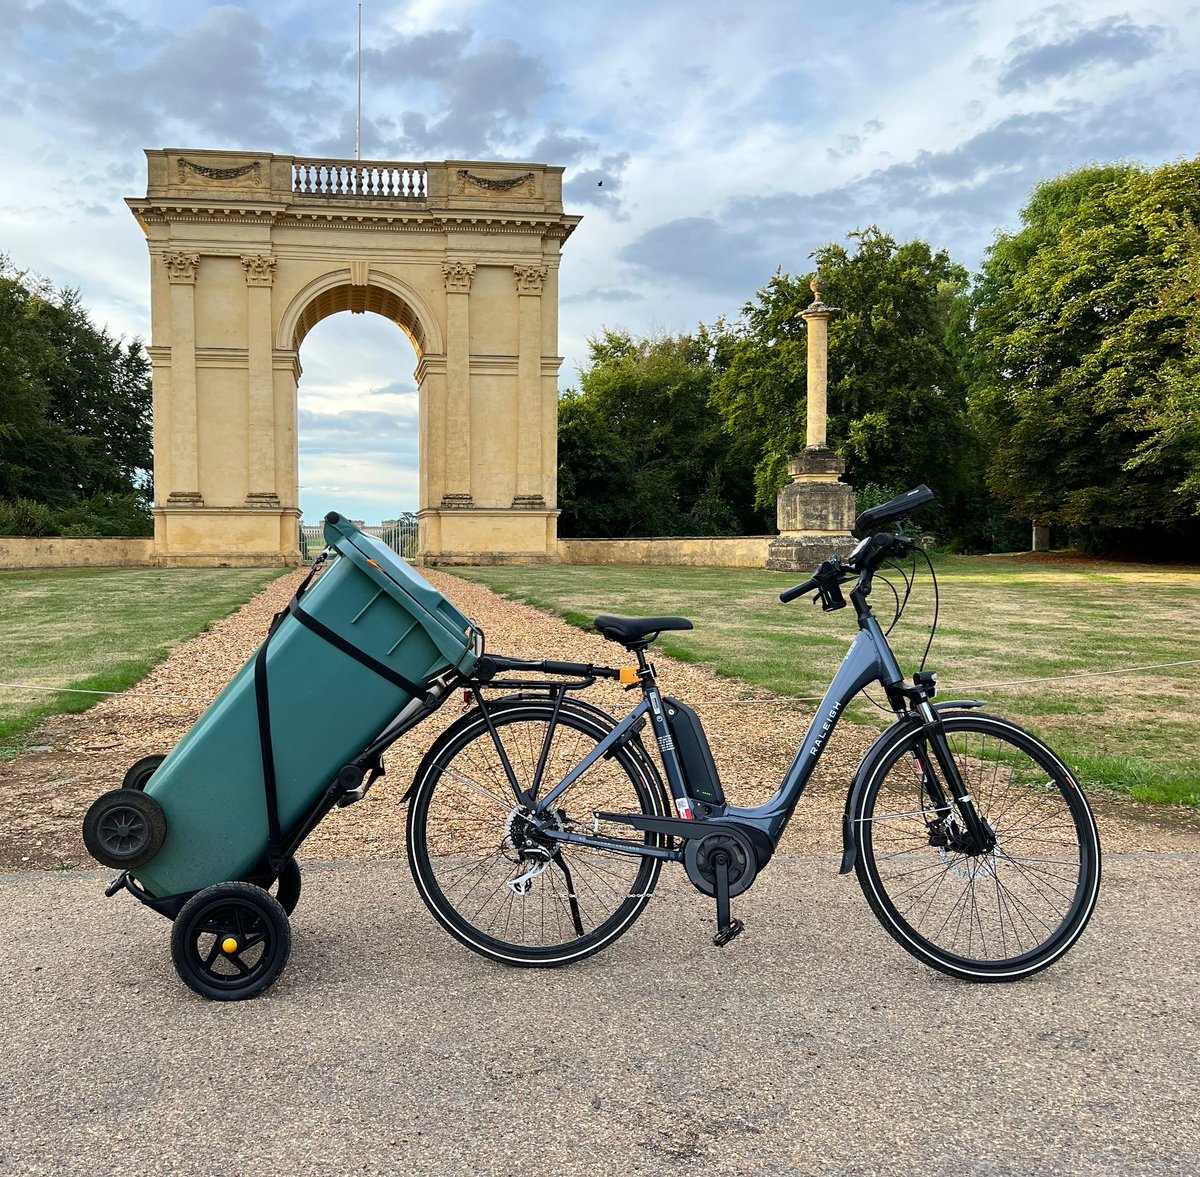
(936, 606)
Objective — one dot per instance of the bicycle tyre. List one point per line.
(995, 917)
(457, 834)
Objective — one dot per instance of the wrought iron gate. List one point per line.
(399, 534)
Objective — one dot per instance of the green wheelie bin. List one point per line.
(339, 665)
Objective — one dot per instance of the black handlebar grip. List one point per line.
(799, 591)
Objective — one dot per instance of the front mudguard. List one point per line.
(902, 726)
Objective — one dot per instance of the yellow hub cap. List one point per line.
(229, 944)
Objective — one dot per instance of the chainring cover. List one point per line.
(698, 855)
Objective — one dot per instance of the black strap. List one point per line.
(274, 835)
(339, 643)
(275, 857)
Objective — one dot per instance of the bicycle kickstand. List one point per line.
(727, 928)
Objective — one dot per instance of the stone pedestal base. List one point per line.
(487, 535)
(802, 553)
(815, 501)
(814, 513)
(226, 537)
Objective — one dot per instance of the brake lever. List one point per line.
(829, 585)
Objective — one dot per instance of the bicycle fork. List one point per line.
(979, 838)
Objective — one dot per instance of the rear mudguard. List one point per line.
(908, 723)
(631, 743)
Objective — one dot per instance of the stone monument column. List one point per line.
(457, 489)
(530, 281)
(815, 511)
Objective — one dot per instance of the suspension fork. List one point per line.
(935, 740)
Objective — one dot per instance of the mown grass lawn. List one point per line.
(100, 629)
(1002, 619)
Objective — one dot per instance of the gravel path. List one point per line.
(811, 1045)
(44, 795)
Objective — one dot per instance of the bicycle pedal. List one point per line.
(728, 932)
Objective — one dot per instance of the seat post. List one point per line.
(640, 650)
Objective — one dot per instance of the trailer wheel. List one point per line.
(124, 829)
(231, 941)
(140, 772)
(288, 889)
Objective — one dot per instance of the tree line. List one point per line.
(1059, 385)
(75, 434)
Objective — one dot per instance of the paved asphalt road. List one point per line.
(812, 1044)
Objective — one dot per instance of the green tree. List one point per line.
(32, 447)
(74, 409)
(641, 452)
(1083, 356)
(897, 407)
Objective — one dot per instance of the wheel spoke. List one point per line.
(1013, 908)
(466, 845)
(239, 912)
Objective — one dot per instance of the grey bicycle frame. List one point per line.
(869, 659)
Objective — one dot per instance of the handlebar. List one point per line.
(834, 572)
(799, 591)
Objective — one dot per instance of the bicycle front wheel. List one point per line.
(479, 863)
(996, 916)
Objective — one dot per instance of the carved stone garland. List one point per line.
(489, 184)
(186, 165)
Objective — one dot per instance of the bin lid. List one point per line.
(389, 570)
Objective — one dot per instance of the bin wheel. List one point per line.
(287, 891)
(231, 941)
(140, 771)
(124, 829)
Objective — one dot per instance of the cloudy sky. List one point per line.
(730, 139)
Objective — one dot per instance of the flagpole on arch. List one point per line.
(358, 120)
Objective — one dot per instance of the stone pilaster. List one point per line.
(181, 270)
(530, 280)
(259, 270)
(457, 489)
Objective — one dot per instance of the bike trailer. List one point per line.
(369, 640)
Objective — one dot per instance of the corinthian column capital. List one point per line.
(181, 267)
(530, 279)
(259, 269)
(458, 275)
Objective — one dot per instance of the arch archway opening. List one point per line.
(357, 409)
(358, 300)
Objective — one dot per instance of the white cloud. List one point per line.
(728, 140)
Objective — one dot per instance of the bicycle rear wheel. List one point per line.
(480, 865)
(997, 916)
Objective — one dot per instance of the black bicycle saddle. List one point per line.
(634, 629)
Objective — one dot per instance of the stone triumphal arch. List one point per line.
(248, 251)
